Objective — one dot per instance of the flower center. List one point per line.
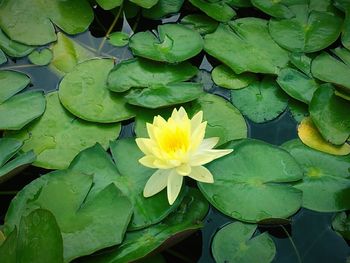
(174, 139)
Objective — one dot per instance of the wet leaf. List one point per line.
(3, 58)
(109, 4)
(302, 62)
(13, 48)
(201, 23)
(11, 82)
(141, 73)
(163, 8)
(256, 176)
(118, 39)
(219, 10)
(40, 58)
(168, 45)
(278, 9)
(341, 224)
(298, 110)
(57, 137)
(235, 243)
(145, 3)
(260, 101)
(84, 93)
(246, 45)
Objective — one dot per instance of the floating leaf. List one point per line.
(16, 19)
(145, 3)
(298, 110)
(38, 240)
(330, 114)
(325, 185)
(260, 101)
(109, 4)
(278, 9)
(255, 176)
(84, 93)
(141, 73)
(57, 137)
(13, 48)
(11, 82)
(138, 244)
(102, 221)
(234, 243)
(344, 5)
(165, 95)
(224, 77)
(220, 10)
(297, 85)
(240, 3)
(302, 62)
(3, 58)
(201, 23)
(168, 46)
(40, 58)
(118, 39)
(311, 137)
(341, 224)
(329, 69)
(246, 45)
(163, 8)
(311, 29)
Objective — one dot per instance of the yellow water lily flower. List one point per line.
(177, 148)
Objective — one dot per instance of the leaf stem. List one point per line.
(110, 29)
(293, 244)
(8, 192)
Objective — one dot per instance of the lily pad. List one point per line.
(129, 176)
(341, 224)
(57, 137)
(298, 110)
(141, 73)
(234, 243)
(38, 240)
(225, 77)
(109, 4)
(163, 8)
(311, 137)
(325, 186)
(84, 93)
(330, 69)
(3, 58)
(145, 3)
(165, 95)
(344, 5)
(40, 58)
(102, 220)
(118, 39)
(31, 23)
(67, 53)
(137, 244)
(256, 176)
(260, 101)
(11, 82)
(13, 48)
(310, 30)
(201, 23)
(219, 10)
(246, 45)
(168, 45)
(302, 62)
(297, 85)
(330, 114)
(21, 109)
(278, 9)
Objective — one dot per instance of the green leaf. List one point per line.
(278, 9)
(329, 69)
(102, 220)
(163, 8)
(57, 137)
(325, 186)
(132, 181)
(38, 240)
(341, 224)
(32, 23)
(260, 101)
(168, 45)
(246, 45)
(109, 4)
(40, 58)
(8, 148)
(256, 177)
(67, 53)
(13, 48)
(239, 3)
(302, 62)
(141, 73)
(21, 109)
(344, 6)
(330, 114)
(234, 243)
(3, 58)
(298, 110)
(297, 85)
(225, 77)
(145, 3)
(219, 10)
(165, 95)
(11, 82)
(138, 244)
(118, 39)
(201, 23)
(84, 93)
(309, 31)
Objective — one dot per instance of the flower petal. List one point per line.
(145, 145)
(198, 135)
(156, 183)
(148, 161)
(159, 121)
(208, 144)
(201, 174)
(150, 130)
(174, 186)
(208, 156)
(183, 169)
(196, 120)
